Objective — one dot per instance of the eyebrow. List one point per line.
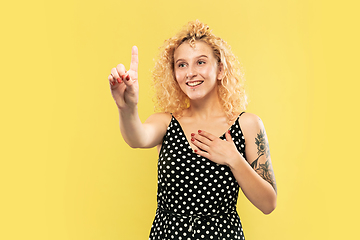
(196, 57)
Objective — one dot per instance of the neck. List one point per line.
(205, 108)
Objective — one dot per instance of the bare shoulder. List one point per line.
(250, 122)
(162, 118)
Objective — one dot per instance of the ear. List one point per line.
(220, 72)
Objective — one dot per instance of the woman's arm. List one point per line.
(255, 177)
(125, 91)
(143, 135)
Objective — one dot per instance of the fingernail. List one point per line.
(193, 134)
(128, 77)
(192, 139)
(195, 150)
(228, 131)
(113, 83)
(119, 80)
(199, 131)
(122, 77)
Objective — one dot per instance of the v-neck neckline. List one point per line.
(221, 137)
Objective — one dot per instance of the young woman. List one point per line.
(208, 147)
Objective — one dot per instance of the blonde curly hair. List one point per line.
(168, 95)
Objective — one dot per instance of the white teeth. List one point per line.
(192, 84)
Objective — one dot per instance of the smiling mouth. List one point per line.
(194, 84)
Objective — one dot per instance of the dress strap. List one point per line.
(239, 117)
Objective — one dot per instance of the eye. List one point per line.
(201, 62)
(181, 65)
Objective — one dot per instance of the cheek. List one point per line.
(178, 76)
(207, 71)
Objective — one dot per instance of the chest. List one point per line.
(216, 127)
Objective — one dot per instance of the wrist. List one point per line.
(128, 110)
(128, 113)
(236, 161)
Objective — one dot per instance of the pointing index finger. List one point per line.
(134, 59)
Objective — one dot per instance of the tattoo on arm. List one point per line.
(263, 169)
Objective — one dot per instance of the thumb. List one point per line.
(128, 80)
(228, 136)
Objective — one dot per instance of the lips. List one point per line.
(194, 83)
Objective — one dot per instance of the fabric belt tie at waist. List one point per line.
(195, 217)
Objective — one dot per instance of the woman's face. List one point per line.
(196, 70)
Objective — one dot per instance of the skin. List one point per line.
(197, 65)
(203, 122)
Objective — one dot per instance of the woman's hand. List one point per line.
(215, 149)
(124, 84)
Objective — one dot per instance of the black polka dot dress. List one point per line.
(196, 197)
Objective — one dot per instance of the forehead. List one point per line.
(185, 50)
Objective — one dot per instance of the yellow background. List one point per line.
(66, 173)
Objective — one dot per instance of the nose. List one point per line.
(191, 73)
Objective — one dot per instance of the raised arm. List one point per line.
(125, 91)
